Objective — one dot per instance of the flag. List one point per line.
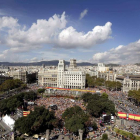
(25, 113)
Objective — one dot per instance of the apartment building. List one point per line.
(19, 74)
(131, 82)
(48, 78)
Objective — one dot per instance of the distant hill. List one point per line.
(112, 65)
(46, 63)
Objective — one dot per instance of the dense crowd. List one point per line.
(61, 102)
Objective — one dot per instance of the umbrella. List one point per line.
(36, 136)
(26, 135)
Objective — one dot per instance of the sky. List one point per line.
(105, 31)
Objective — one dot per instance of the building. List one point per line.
(19, 74)
(131, 82)
(108, 76)
(48, 78)
(24, 75)
(61, 77)
(102, 68)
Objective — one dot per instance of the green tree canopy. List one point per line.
(11, 84)
(31, 95)
(104, 95)
(134, 94)
(104, 137)
(113, 85)
(37, 121)
(12, 103)
(98, 104)
(41, 90)
(75, 119)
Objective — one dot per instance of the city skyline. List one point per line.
(92, 31)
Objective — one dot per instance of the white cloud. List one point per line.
(83, 14)
(70, 38)
(42, 32)
(52, 31)
(8, 22)
(121, 54)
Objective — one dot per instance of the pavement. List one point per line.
(7, 128)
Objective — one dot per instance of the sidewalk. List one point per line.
(7, 128)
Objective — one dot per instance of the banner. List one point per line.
(136, 117)
(131, 116)
(122, 115)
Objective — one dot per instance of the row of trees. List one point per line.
(37, 121)
(12, 84)
(96, 105)
(93, 81)
(11, 104)
(135, 95)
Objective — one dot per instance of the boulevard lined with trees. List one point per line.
(12, 84)
(93, 81)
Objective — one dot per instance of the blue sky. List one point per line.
(87, 30)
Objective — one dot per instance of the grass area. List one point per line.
(126, 134)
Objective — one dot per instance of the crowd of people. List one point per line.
(62, 104)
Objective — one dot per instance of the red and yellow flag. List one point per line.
(122, 115)
(25, 113)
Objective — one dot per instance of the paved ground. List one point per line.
(8, 130)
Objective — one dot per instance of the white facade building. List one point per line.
(102, 68)
(131, 83)
(62, 77)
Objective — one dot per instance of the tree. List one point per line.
(86, 97)
(113, 85)
(11, 104)
(104, 137)
(104, 95)
(99, 82)
(98, 104)
(135, 95)
(10, 84)
(37, 121)
(94, 126)
(41, 90)
(75, 119)
(90, 81)
(31, 95)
